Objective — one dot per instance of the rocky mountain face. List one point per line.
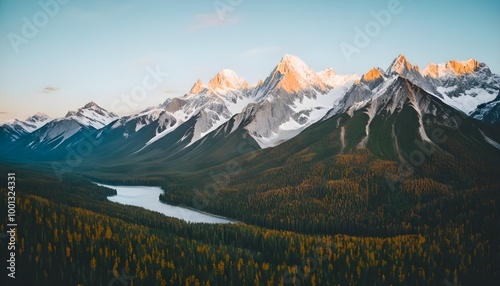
(290, 100)
(13, 130)
(57, 131)
(463, 85)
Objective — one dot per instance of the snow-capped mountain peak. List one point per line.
(400, 66)
(334, 80)
(59, 130)
(456, 68)
(92, 115)
(31, 123)
(403, 68)
(372, 75)
(92, 105)
(464, 85)
(226, 80)
(38, 119)
(292, 98)
(17, 128)
(329, 72)
(205, 106)
(290, 63)
(197, 88)
(464, 67)
(434, 70)
(293, 75)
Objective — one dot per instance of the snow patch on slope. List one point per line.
(469, 101)
(415, 105)
(370, 111)
(490, 141)
(306, 111)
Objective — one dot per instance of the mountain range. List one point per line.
(208, 125)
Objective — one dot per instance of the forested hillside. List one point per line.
(65, 240)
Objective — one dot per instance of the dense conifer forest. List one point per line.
(347, 232)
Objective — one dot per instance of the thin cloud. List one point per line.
(259, 51)
(211, 20)
(50, 89)
(2, 112)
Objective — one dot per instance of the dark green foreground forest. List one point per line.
(69, 234)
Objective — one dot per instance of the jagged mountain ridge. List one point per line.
(54, 133)
(92, 115)
(225, 95)
(290, 84)
(401, 123)
(463, 85)
(15, 129)
(291, 99)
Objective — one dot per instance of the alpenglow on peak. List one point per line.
(294, 75)
(291, 63)
(197, 87)
(399, 65)
(456, 67)
(226, 79)
(372, 75)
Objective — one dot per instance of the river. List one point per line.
(148, 198)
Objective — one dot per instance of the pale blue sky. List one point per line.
(99, 50)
